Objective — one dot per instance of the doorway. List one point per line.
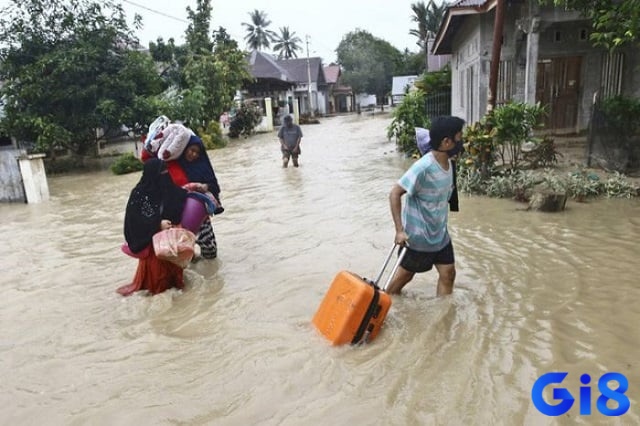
(557, 87)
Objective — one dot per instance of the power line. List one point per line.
(155, 11)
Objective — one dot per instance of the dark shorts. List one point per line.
(421, 261)
(286, 154)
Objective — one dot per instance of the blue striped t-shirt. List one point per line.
(425, 212)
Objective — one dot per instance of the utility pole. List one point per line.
(494, 69)
(309, 78)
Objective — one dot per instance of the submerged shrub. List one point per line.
(212, 136)
(516, 184)
(126, 163)
(470, 181)
(617, 186)
(582, 185)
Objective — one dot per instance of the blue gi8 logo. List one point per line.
(566, 399)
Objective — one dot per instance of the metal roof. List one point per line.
(453, 20)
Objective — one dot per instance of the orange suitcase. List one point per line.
(354, 308)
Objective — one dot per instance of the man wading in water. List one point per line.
(290, 136)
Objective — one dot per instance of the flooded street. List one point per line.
(534, 293)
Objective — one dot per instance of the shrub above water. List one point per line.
(126, 163)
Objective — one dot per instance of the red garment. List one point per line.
(154, 275)
(145, 155)
(178, 176)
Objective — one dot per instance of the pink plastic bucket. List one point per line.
(193, 214)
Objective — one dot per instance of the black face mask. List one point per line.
(456, 149)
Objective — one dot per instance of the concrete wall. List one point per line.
(364, 99)
(120, 147)
(34, 178)
(471, 59)
(467, 72)
(11, 187)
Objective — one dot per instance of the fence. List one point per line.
(610, 143)
(438, 104)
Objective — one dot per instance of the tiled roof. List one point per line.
(263, 65)
(297, 69)
(332, 73)
(453, 20)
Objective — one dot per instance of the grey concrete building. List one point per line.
(546, 56)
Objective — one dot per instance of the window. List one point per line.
(557, 36)
(611, 74)
(461, 76)
(470, 95)
(583, 35)
(505, 82)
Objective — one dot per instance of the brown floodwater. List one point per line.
(535, 293)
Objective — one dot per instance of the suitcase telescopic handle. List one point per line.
(403, 251)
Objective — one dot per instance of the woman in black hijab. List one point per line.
(155, 203)
(198, 169)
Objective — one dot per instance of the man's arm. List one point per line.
(282, 144)
(298, 140)
(395, 203)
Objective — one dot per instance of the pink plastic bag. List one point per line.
(174, 245)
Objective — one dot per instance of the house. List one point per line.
(286, 81)
(399, 86)
(340, 97)
(270, 80)
(311, 85)
(546, 57)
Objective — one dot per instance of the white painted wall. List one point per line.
(365, 99)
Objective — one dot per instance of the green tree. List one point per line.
(197, 33)
(258, 36)
(231, 68)
(218, 73)
(412, 63)
(368, 63)
(615, 23)
(204, 74)
(429, 17)
(287, 44)
(70, 69)
(170, 60)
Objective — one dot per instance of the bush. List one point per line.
(212, 136)
(126, 163)
(514, 123)
(411, 113)
(479, 149)
(247, 117)
(470, 181)
(61, 165)
(582, 185)
(307, 119)
(543, 154)
(616, 124)
(435, 81)
(617, 186)
(516, 184)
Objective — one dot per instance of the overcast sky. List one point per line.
(325, 21)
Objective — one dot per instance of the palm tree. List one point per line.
(429, 17)
(287, 44)
(257, 33)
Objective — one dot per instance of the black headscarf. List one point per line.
(200, 170)
(153, 199)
